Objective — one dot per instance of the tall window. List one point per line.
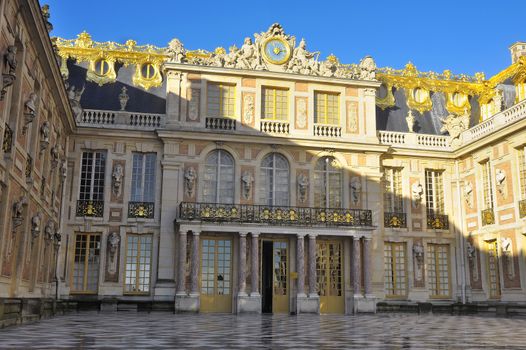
(219, 178)
(395, 269)
(327, 108)
(327, 183)
(221, 100)
(85, 277)
(393, 201)
(92, 176)
(275, 104)
(493, 269)
(438, 270)
(274, 180)
(435, 192)
(138, 263)
(522, 171)
(143, 177)
(487, 185)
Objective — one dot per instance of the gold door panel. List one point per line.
(493, 270)
(329, 277)
(216, 275)
(280, 296)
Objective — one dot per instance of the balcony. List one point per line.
(325, 130)
(522, 208)
(94, 118)
(395, 220)
(275, 127)
(144, 210)
(488, 217)
(274, 215)
(412, 140)
(29, 167)
(220, 123)
(437, 221)
(89, 208)
(8, 139)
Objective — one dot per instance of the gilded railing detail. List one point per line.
(488, 217)
(90, 208)
(143, 210)
(437, 221)
(522, 208)
(395, 220)
(274, 215)
(7, 145)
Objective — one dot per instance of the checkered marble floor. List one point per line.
(127, 330)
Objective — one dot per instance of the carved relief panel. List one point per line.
(112, 257)
(190, 182)
(418, 263)
(194, 100)
(504, 183)
(247, 183)
(351, 111)
(117, 180)
(248, 109)
(302, 115)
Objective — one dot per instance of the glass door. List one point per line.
(329, 275)
(216, 275)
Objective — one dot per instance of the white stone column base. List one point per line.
(164, 291)
(248, 304)
(187, 303)
(308, 304)
(364, 304)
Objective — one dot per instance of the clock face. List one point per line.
(276, 51)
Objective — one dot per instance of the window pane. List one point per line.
(274, 180)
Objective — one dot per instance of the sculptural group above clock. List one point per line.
(273, 50)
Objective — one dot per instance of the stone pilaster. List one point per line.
(300, 246)
(367, 266)
(181, 273)
(254, 274)
(195, 263)
(356, 267)
(242, 264)
(312, 266)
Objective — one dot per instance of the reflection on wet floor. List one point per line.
(124, 330)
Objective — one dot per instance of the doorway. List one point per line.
(274, 276)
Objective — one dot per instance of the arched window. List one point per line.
(219, 178)
(328, 183)
(274, 179)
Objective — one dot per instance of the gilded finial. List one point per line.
(220, 50)
(332, 59)
(84, 40)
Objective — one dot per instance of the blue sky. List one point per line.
(464, 36)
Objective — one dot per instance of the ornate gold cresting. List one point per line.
(102, 56)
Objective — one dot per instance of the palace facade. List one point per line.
(255, 179)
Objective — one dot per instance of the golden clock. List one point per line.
(276, 50)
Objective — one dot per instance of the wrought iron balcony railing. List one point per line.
(274, 215)
(143, 210)
(488, 217)
(29, 166)
(90, 208)
(522, 208)
(437, 221)
(8, 139)
(395, 220)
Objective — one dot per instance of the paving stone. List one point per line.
(162, 330)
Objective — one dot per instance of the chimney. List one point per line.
(517, 50)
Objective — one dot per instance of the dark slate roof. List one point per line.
(393, 118)
(106, 97)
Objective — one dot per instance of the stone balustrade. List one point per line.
(413, 140)
(325, 130)
(120, 120)
(275, 127)
(498, 121)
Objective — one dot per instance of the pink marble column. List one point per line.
(367, 265)
(312, 266)
(254, 273)
(356, 262)
(195, 263)
(300, 251)
(242, 264)
(181, 271)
